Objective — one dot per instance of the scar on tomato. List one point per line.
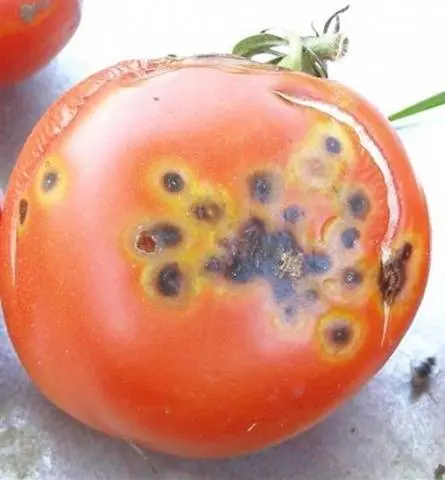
(392, 275)
(23, 210)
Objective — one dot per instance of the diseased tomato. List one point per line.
(206, 256)
(32, 33)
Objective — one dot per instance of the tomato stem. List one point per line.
(309, 54)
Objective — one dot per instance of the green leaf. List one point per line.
(256, 44)
(430, 102)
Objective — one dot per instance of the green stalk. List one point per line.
(426, 104)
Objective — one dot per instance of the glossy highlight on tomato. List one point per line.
(206, 256)
(32, 33)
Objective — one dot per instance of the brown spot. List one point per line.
(339, 333)
(392, 276)
(23, 210)
(208, 212)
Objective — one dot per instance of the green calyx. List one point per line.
(309, 54)
(312, 53)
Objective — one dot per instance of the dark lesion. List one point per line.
(275, 256)
(170, 280)
(173, 182)
(261, 187)
(393, 275)
(23, 210)
(208, 211)
(352, 278)
(358, 205)
(349, 237)
(339, 333)
(158, 238)
(50, 180)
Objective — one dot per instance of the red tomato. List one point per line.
(32, 33)
(207, 256)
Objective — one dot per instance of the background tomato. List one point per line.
(32, 33)
(206, 256)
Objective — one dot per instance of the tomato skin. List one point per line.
(33, 33)
(222, 369)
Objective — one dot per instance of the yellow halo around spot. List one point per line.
(350, 332)
(53, 164)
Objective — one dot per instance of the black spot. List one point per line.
(317, 263)
(159, 237)
(213, 264)
(208, 212)
(169, 281)
(257, 253)
(292, 214)
(392, 275)
(358, 205)
(340, 333)
(333, 145)
(173, 182)
(352, 278)
(49, 181)
(349, 237)
(23, 210)
(261, 187)
(156, 99)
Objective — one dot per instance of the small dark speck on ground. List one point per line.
(353, 430)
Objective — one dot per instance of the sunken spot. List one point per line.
(333, 145)
(49, 181)
(349, 237)
(261, 187)
(358, 205)
(208, 212)
(339, 333)
(352, 278)
(23, 210)
(158, 238)
(169, 280)
(173, 182)
(292, 214)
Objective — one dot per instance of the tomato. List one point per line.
(207, 256)
(32, 33)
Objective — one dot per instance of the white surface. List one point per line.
(395, 58)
